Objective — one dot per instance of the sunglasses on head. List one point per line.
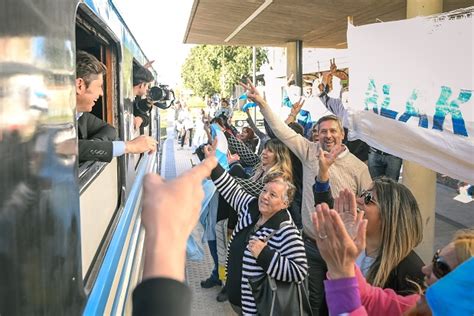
(440, 267)
(368, 197)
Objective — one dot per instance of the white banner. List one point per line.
(411, 90)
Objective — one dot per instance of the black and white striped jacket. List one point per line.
(283, 258)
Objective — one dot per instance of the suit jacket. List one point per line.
(161, 296)
(95, 139)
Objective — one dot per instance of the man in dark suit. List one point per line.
(97, 139)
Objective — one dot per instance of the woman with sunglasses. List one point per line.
(394, 229)
(449, 277)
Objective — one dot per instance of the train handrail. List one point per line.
(124, 281)
(98, 297)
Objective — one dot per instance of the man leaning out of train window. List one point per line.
(142, 79)
(98, 139)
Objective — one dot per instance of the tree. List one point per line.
(216, 69)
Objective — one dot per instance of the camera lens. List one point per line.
(156, 93)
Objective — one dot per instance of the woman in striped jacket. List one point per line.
(250, 254)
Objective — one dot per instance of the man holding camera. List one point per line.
(142, 79)
(97, 139)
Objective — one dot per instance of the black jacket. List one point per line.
(95, 138)
(141, 109)
(161, 296)
(404, 274)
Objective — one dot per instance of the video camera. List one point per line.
(160, 96)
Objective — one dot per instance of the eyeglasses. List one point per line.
(368, 198)
(440, 268)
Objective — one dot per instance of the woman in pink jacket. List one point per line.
(347, 292)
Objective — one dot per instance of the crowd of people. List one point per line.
(313, 209)
(299, 204)
(448, 277)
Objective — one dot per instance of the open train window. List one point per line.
(93, 39)
(99, 182)
(90, 39)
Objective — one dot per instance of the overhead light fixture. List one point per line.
(249, 19)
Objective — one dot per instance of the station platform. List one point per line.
(174, 162)
(451, 215)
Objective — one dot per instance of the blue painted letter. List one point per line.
(443, 108)
(411, 111)
(371, 99)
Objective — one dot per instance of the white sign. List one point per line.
(315, 107)
(411, 90)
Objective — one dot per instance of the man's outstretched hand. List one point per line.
(170, 212)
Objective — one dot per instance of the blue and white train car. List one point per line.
(70, 237)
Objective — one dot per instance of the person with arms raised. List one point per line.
(346, 171)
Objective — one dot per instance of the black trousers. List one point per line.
(189, 133)
(317, 274)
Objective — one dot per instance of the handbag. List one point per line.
(274, 297)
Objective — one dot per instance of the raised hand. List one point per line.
(231, 158)
(345, 205)
(210, 150)
(149, 64)
(337, 248)
(167, 226)
(326, 159)
(332, 67)
(295, 109)
(297, 106)
(252, 93)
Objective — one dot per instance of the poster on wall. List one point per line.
(411, 90)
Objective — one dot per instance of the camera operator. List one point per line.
(142, 79)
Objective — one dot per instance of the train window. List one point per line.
(88, 39)
(99, 182)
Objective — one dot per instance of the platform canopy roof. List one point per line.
(318, 23)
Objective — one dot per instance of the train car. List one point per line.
(70, 234)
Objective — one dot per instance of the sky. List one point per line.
(159, 26)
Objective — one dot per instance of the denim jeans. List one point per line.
(384, 165)
(317, 274)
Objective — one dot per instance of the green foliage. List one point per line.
(210, 70)
(196, 102)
